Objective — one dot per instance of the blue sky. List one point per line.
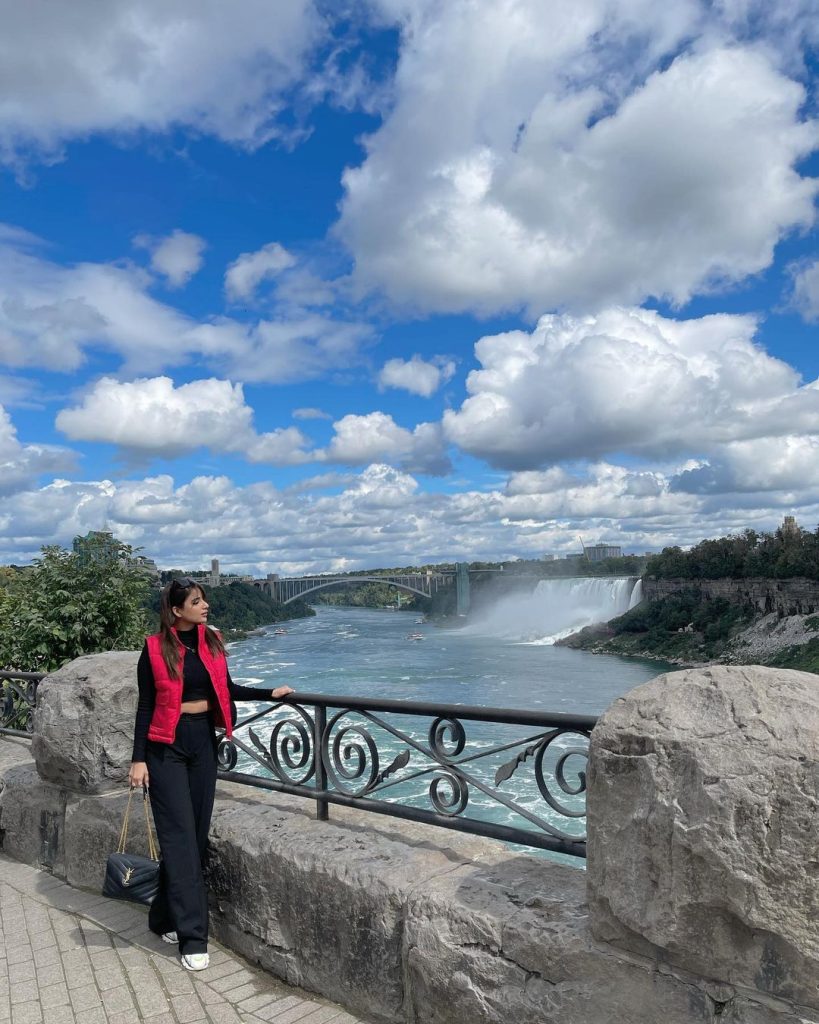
(309, 287)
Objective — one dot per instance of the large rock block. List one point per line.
(511, 942)
(703, 826)
(84, 722)
(32, 818)
(316, 903)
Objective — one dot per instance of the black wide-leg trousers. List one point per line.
(182, 778)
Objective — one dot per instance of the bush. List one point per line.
(58, 609)
(715, 619)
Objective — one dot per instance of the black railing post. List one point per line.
(18, 698)
(319, 725)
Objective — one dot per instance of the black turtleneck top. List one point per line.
(196, 685)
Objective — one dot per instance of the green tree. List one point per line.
(779, 555)
(238, 606)
(56, 610)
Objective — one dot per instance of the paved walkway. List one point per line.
(68, 956)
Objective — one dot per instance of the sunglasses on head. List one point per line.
(184, 583)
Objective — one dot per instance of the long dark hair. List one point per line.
(174, 595)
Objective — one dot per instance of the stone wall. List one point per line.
(787, 597)
(703, 827)
(701, 903)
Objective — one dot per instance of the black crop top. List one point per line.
(196, 685)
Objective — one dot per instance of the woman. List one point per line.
(185, 690)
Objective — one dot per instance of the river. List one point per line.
(365, 653)
(502, 660)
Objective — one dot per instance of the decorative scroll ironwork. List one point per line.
(18, 693)
(338, 757)
(372, 756)
(289, 753)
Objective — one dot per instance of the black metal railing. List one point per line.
(517, 776)
(18, 691)
(513, 775)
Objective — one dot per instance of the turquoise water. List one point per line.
(368, 653)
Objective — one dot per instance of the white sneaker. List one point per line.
(195, 961)
(170, 937)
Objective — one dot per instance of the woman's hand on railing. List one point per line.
(138, 775)
(280, 692)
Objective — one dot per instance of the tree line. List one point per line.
(62, 607)
(783, 554)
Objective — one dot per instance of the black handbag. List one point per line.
(129, 876)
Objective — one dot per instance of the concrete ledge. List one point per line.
(398, 922)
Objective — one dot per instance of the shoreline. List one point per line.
(770, 639)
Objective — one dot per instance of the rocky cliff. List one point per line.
(785, 597)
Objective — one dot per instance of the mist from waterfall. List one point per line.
(556, 608)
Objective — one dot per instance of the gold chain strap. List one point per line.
(152, 851)
(123, 834)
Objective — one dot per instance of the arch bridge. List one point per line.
(292, 588)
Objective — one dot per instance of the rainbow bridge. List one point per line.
(425, 584)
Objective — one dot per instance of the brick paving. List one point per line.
(69, 956)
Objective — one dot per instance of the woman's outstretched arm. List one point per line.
(239, 692)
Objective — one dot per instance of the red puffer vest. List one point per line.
(168, 705)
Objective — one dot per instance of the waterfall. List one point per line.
(558, 607)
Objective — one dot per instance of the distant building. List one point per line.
(790, 527)
(597, 552)
(148, 565)
(214, 579)
(96, 546)
(547, 558)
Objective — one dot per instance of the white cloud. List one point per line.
(381, 516)
(599, 492)
(285, 446)
(118, 67)
(309, 413)
(153, 417)
(790, 28)
(301, 347)
(376, 437)
(177, 257)
(247, 272)
(570, 162)
(626, 380)
(19, 391)
(52, 315)
(805, 293)
(416, 375)
(789, 465)
(22, 464)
